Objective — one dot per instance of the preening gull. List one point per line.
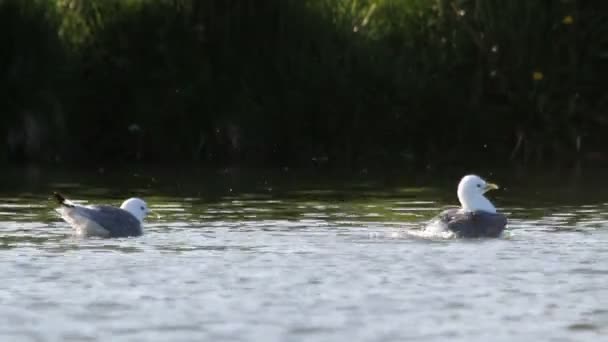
(477, 217)
(104, 220)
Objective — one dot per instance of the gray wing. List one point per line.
(118, 222)
(473, 224)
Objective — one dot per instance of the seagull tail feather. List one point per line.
(62, 200)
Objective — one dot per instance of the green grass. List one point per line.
(299, 82)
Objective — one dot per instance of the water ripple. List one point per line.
(303, 265)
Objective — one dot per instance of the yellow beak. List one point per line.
(490, 186)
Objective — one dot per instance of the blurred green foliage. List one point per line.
(295, 82)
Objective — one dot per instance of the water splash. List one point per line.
(433, 230)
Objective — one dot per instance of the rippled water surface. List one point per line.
(229, 256)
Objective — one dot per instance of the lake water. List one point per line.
(287, 256)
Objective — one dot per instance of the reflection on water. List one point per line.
(285, 258)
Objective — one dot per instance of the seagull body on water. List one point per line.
(104, 220)
(477, 217)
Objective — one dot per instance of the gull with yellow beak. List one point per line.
(477, 217)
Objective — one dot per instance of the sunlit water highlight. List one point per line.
(300, 262)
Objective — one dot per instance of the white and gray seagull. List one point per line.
(477, 217)
(104, 220)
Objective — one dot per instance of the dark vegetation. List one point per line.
(352, 83)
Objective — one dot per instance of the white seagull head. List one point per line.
(137, 207)
(471, 190)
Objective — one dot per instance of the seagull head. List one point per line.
(137, 207)
(471, 190)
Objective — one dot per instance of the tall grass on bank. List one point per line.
(31, 61)
(294, 82)
(536, 65)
